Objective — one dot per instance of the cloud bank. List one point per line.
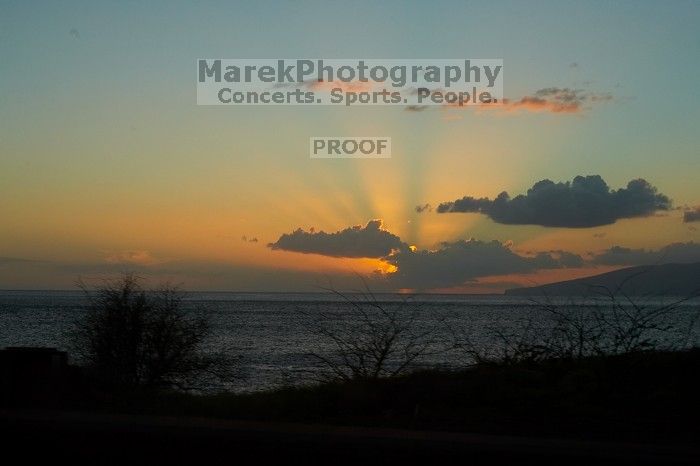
(692, 215)
(556, 100)
(456, 263)
(587, 201)
(357, 241)
(672, 253)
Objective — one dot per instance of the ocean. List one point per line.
(272, 334)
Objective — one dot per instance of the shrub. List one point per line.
(131, 337)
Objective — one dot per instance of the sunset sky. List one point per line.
(107, 164)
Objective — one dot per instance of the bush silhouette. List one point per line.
(131, 337)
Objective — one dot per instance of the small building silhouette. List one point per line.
(28, 373)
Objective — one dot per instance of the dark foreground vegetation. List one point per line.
(632, 397)
(611, 376)
(650, 397)
(642, 407)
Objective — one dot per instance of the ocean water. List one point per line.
(272, 334)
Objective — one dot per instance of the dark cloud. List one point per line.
(672, 253)
(557, 100)
(561, 100)
(415, 108)
(584, 202)
(424, 208)
(14, 260)
(692, 215)
(564, 259)
(130, 257)
(357, 241)
(452, 264)
(459, 262)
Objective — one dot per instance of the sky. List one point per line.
(108, 165)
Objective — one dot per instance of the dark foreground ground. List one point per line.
(630, 409)
(90, 438)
